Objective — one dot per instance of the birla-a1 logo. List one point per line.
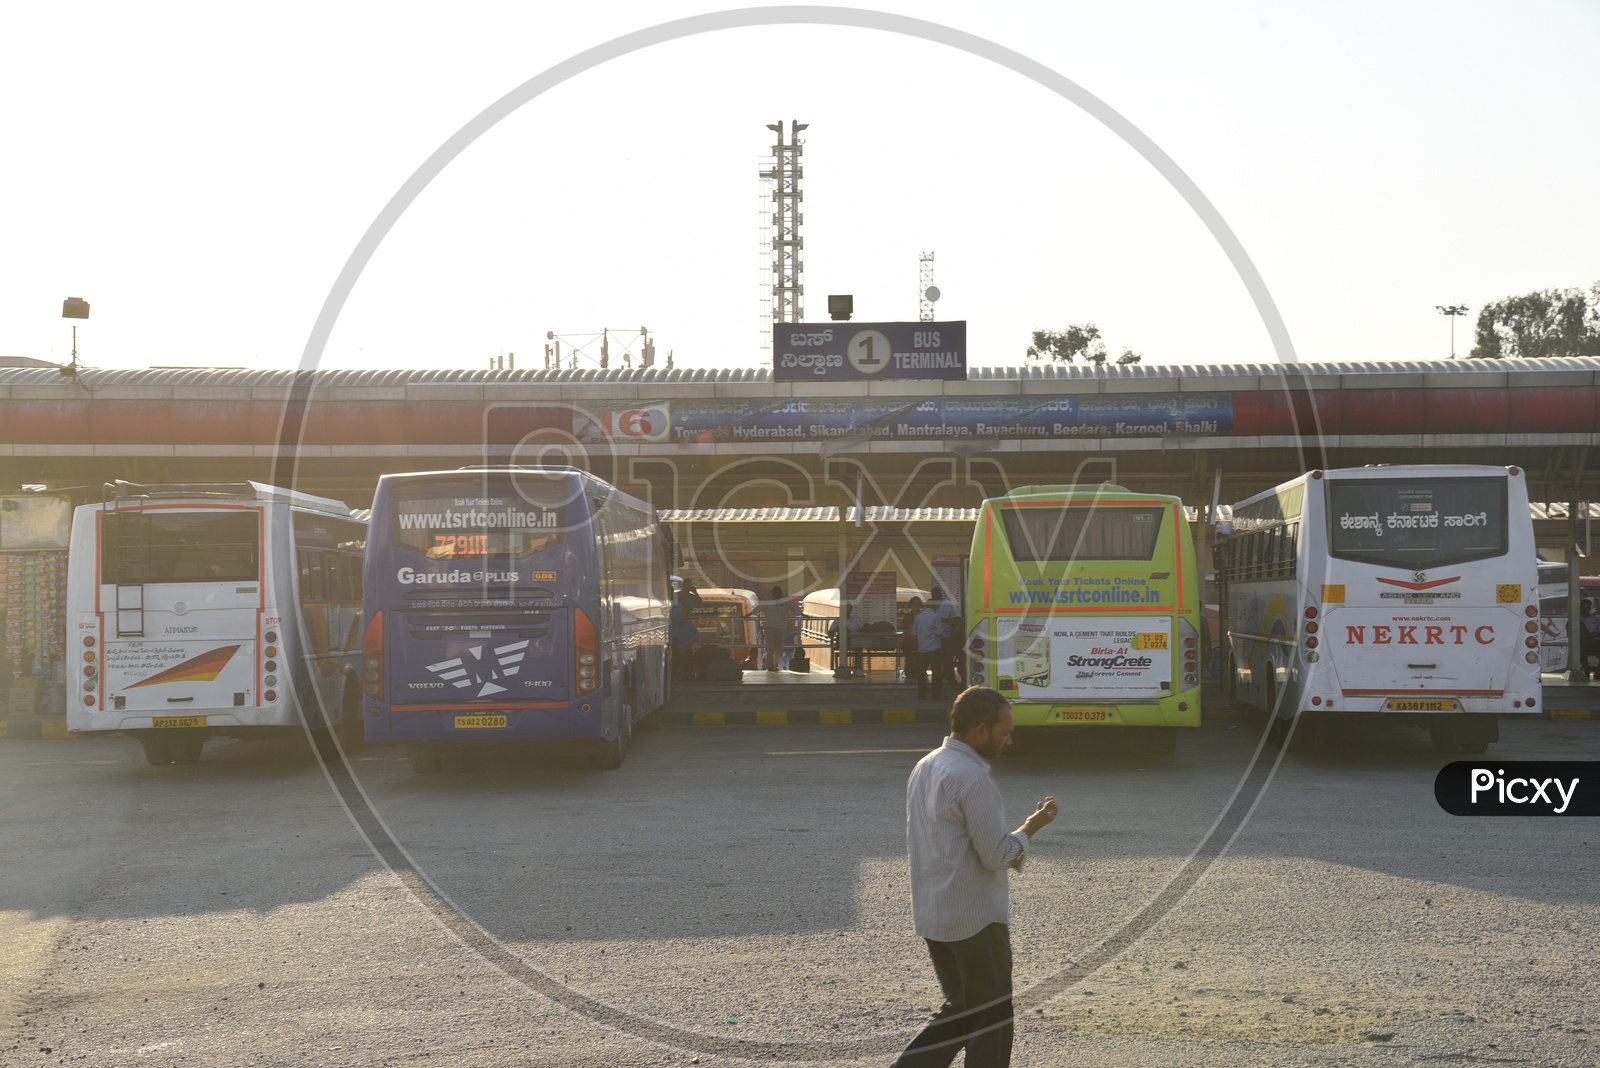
(474, 669)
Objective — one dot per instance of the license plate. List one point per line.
(1081, 715)
(180, 721)
(1154, 640)
(465, 722)
(1421, 704)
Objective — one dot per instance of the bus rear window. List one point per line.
(162, 546)
(1417, 525)
(447, 524)
(1082, 532)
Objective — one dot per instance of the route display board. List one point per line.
(906, 418)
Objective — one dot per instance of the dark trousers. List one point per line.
(918, 664)
(975, 975)
(950, 667)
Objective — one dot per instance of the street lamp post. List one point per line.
(1452, 310)
(74, 308)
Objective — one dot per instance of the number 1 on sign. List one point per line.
(869, 352)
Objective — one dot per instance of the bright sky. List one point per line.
(201, 175)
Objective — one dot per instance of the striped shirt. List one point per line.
(959, 844)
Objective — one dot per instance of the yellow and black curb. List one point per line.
(34, 729)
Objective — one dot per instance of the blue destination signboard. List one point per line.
(854, 352)
(946, 418)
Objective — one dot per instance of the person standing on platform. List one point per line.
(775, 621)
(950, 652)
(961, 854)
(928, 631)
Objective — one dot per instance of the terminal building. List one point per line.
(775, 482)
(792, 481)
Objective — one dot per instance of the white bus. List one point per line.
(224, 609)
(1407, 593)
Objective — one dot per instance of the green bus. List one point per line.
(1083, 608)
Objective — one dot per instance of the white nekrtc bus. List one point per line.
(203, 610)
(1407, 593)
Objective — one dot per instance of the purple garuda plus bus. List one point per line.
(512, 604)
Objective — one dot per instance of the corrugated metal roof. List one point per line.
(344, 378)
(877, 514)
(750, 515)
(1555, 510)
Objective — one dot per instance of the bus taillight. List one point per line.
(1189, 641)
(372, 658)
(586, 643)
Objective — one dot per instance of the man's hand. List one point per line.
(1043, 814)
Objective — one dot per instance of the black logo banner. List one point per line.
(1519, 788)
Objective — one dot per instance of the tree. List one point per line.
(1061, 346)
(1129, 356)
(1545, 323)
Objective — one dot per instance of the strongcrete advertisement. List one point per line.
(1105, 659)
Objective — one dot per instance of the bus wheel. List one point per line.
(326, 745)
(1310, 733)
(186, 750)
(1277, 726)
(453, 759)
(156, 751)
(351, 734)
(608, 756)
(1475, 733)
(1161, 740)
(1444, 738)
(424, 758)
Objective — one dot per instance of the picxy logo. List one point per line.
(1519, 788)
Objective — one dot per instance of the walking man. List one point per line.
(960, 897)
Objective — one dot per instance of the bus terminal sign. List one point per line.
(854, 352)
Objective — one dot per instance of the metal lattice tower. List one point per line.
(787, 244)
(926, 294)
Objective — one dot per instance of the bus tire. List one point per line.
(186, 750)
(652, 722)
(1310, 733)
(610, 752)
(351, 734)
(1277, 726)
(452, 759)
(1476, 733)
(326, 744)
(156, 751)
(1161, 740)
(424, 758)
(1444, 738)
